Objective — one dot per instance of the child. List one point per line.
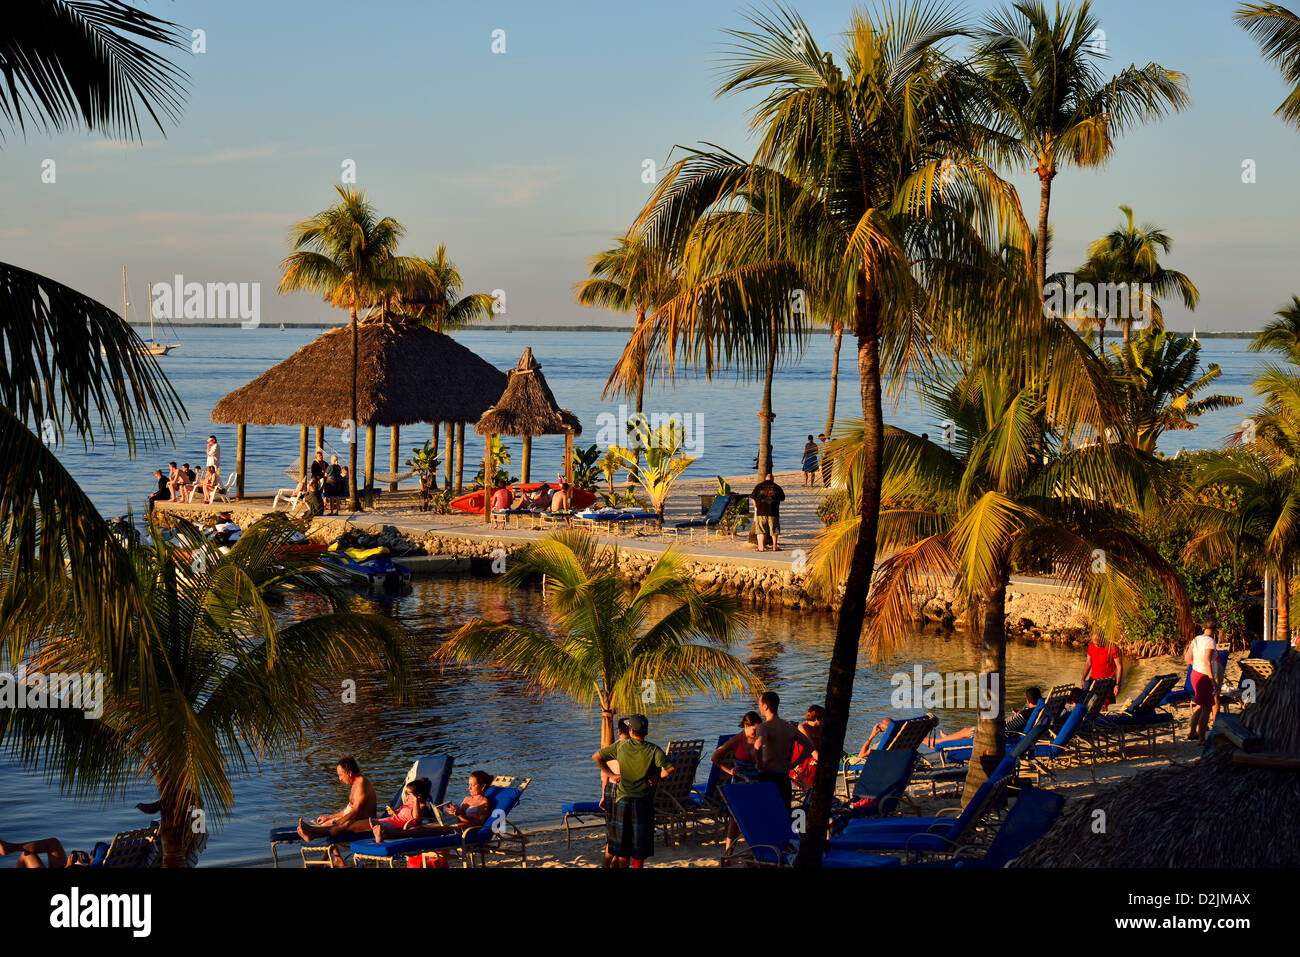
(415, 807)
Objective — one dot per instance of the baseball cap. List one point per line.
(637, 723)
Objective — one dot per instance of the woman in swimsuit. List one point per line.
(469, 813)
(742, 767)
(415, 808)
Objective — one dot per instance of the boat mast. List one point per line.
(125, 317)
(150, 289)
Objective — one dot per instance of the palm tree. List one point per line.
(72, 365)
(613, 649)
(1281, 334)
(216, 672)
(1008, 494)
(433, 297)
(1048, 105)
(1130, 257)
(865, 189)
(1277, 31)
(347, 255)
(1159, 380)
(632, 276)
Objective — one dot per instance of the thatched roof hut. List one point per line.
(1208, 813)
(405, 375)
(527, 407)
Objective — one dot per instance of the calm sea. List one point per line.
(492, 721)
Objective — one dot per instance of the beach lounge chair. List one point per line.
(958, 750)
(1044, 757)
(901, 734)
(139, 848)
(1032, 816)
(319, 852)
(883, 779)
(769, 831)
(942, 834)
(497, 835)
(1025, 742)
(706, 798)
(710, 520)
(1143, 717)
(673, 804)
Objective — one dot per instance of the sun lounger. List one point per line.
(1025, 742)
(494, 836)
(958, 750)
(1143, 717)
(706, 798)
(1064, 746)
(673, 804)
(139, 848)
(1032, 816)
(901, 734)
(710, 520)
(319, 852)
(769, 832)
(609, 517)
(883, 779)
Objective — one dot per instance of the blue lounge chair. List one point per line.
(901, 734)
(958, 751)
(883, 779)
(490, 838)
(1064, 746)
(707, 797)
(1185, 692)
(1025, 743)
(318, 852)
(710, 520)
(769, 832)
(1143, 717)
(1032, 816)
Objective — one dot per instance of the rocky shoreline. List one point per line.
(1032, 615)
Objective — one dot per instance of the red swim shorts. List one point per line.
(1202, 690)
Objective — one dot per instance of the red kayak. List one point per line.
(472, 502)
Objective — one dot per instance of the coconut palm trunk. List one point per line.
(1045, 176)
(853, 607)
(1284, 603)
(765, 415)
(174, 827)
(353, 504)
(641, 357)
(990, 742)
(835, 378)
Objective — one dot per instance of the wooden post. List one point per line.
(320, 438)
(370, 458)
(487, 478)
(568, 459)
(460, 456)
(302, 451)
(433, 444)
(392, 455)
(527, 458)
(240, 443)
(451, 450)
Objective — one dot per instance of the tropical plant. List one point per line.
(1007, 497)
(1047, 104)
(424, 462)
(347, 254)
(612, 649)
(1124, 269)
(724, 487)
(1281, 334)
(635, 277)
(1277, 31)
(500, 456)
(1159, 380)
(72, 365)
(586, 468)
(230, 657)
(664, 461)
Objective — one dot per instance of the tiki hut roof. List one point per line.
(405, 374)
(1208, 813)
(527, 407)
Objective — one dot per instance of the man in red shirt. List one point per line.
(1103, 662)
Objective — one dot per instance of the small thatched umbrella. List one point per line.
(1211, 812)
(526, 408)
(406, 374)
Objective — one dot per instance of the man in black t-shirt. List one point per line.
(164, 492)
(767, 497)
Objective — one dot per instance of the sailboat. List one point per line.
(150, 346)
(1194, 337)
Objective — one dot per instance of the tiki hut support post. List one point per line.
(433, 443)
(487, 477)
(370, 456)
(302, 452)
(460, 456)
(320, 438)
(392, 455)
(240, 443)
(451, 448)
(527, 458)
(568, 457)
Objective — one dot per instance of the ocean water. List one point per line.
(483, 717)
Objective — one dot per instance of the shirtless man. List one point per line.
(774, 745)
(353, 819)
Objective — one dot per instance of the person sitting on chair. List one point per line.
(355, 817)
(415, 808)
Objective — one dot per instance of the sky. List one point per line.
(528, 161)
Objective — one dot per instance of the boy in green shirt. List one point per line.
(631, 833)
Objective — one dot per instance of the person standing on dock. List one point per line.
(214, 453)
(810, 463)
(767, 497)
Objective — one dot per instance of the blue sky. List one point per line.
(527, 162)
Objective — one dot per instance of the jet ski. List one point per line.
(367, 566)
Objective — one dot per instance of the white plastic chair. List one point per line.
(223, 488)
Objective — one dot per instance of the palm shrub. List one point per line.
(612, 648)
